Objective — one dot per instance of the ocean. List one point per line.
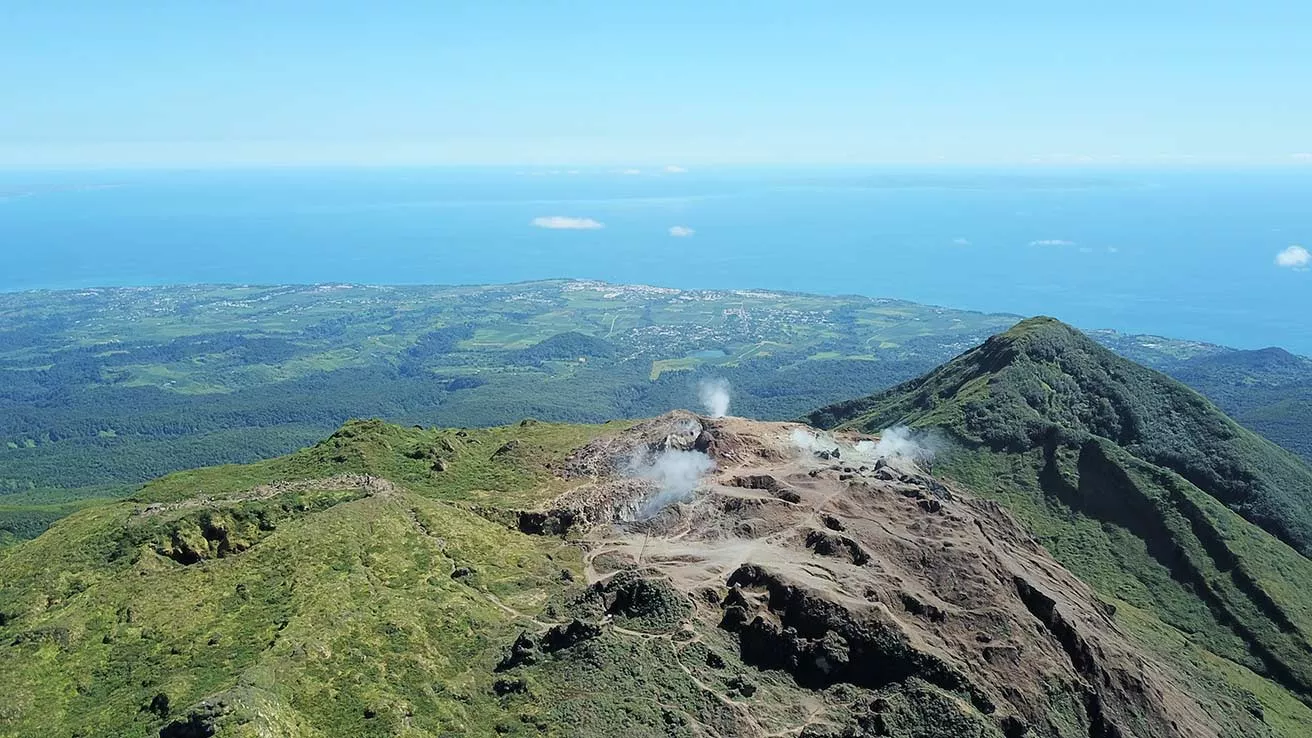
(1186, 254)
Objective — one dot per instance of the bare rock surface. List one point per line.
(850, 569)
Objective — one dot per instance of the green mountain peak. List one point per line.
(1138, 484)
(1043, 382)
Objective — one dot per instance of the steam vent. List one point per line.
(837, 566)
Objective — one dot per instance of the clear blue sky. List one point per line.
(188, 83)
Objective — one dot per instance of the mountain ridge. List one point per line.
(1121, 483)
(689, 576)
(1099, 393)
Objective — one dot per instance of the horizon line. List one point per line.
(671, 170)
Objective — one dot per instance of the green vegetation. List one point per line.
(1143, 489)
(287, 608)
(376, 583)
(110, 388)
(1045, 384)
(1269, 391)
(370, 586)
(20, 522)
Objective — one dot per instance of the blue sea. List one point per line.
(1182, 254)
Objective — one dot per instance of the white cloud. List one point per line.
(1113, 250)
(566, 223)
(672, 169)
(631, 171)
(1294, 257)
(1052, 242)
(1086, 250)
(1303, 157)
(961, 242)
(681, 231)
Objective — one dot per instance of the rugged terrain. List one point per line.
(1006, 566)
(519, 580)
(899, 605)
(1196, 528)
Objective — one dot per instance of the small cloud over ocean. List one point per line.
(1294, 257)
(1052, 242)
(681, 231)
(567, 223)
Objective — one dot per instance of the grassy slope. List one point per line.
(1140, 574)
(1035, 413)
(319, 610)
(1044, 382)
(344, 607)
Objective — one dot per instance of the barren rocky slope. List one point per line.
(840, 566)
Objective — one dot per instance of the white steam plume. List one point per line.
(714, 395)
(815, 442)
(676, 472)
(901, 442)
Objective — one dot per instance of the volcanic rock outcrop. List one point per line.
(856, 570)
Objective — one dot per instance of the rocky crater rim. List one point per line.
(821, 557)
